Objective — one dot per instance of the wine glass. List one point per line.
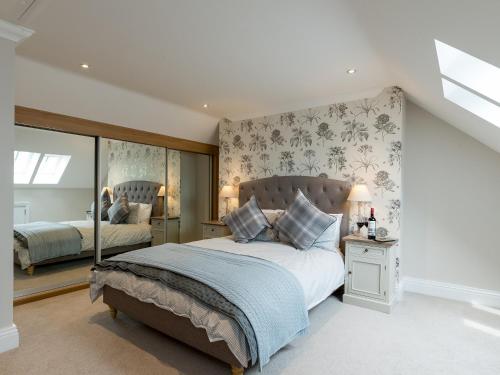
(360, 225)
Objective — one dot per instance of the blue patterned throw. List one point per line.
(270, 297)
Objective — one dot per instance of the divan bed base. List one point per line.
(177, 327)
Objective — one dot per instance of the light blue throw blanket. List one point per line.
(46, 240)
(270, 296)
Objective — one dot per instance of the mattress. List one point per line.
(319, 272)
(112, 235)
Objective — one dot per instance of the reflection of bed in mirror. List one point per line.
(115, 238)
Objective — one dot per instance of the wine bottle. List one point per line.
(372, 225)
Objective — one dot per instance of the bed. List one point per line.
(319, 273)
(115, 238)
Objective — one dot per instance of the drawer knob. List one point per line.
(366, 250)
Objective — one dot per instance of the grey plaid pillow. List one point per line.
(105, 205)
(303, 223)
(247, 221)
(119, 211)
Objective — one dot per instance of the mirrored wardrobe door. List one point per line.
(53, 195)
(173, 194)
(195, 195)
(133, 191)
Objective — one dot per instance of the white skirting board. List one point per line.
(451, 291)
(9, 338)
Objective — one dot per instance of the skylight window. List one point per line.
(471, 102)
(51, 169)
(24, 166)
(469, 82)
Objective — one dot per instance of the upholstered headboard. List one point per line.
(141, 192)
(278, 192)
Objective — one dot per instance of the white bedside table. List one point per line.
(370, 273)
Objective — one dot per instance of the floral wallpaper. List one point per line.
(129, 161)
(174, 183)
(358, 141)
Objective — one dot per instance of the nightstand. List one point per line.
(158, 230)
(213, 229)
(370, 273)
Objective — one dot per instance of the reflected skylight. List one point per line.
(469, 82)
(471, 102)
(469, 71)
(24, 166)
(51, 169)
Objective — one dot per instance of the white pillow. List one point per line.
(133, 216)
(140, 213)
(337, 229)
(145, 212)
(330, 238)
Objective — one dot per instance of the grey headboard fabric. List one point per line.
(141, 192)
(278, 192)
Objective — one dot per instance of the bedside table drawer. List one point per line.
(213, 231)
(157, 224)
(157, 237)
(367, 252)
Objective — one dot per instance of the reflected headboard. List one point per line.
(278, 192)
(141, 192)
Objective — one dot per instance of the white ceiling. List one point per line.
(247, 58)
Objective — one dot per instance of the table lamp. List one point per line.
(227, 192)
(359, 193)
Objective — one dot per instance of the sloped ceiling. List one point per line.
(403, 32)
(249, 58)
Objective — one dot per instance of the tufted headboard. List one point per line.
(141, 192)
(278, 192)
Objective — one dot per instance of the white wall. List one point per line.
(43, 87)
(56, 204)
(451, 204)
(8, 333)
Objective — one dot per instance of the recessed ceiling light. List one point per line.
(205, 105)
(84, 66)
(351, 71)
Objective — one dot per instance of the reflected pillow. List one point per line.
(105, 205)
(133, 216)
(144, 213)
(303, 223)
(247, 221)
(119, 211)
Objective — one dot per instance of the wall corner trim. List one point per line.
(14, 33)
(452, 291)
(9, 338)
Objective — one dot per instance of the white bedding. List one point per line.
(112, 235)
(320, 272)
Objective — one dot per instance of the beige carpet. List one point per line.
(424, 335)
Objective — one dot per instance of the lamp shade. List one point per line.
(228, 192)
(161, 192)
(360, 193)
